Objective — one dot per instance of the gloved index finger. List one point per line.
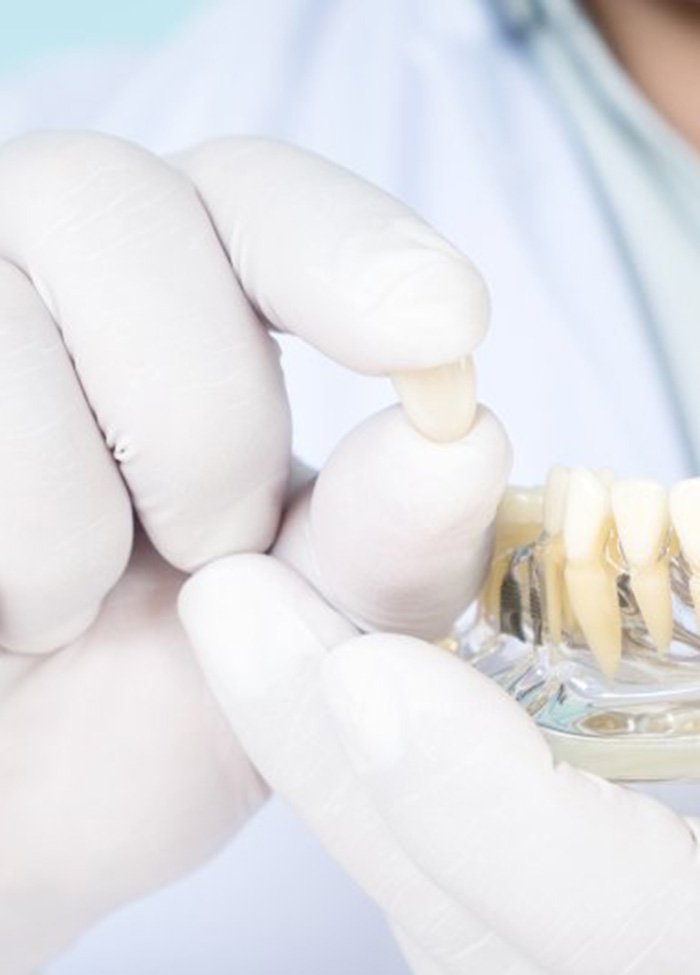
(264, 668)
(182, 378)
(334, 260)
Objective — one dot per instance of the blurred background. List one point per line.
(37, 29)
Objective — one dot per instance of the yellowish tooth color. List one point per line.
(642, 518)
(593, 593)
(440, 402)
(569, 620)
(553, 555)
(518, 522)
(553, 564)
(590, 580)
(652, 590)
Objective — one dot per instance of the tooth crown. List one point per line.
(685, 514)
(518, 523)
(440, 402)
(587, 518)
(556, 490)
(642, 519)
(520, 506)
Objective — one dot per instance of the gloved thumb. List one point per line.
(262, 636)
(396, 530)
(576, 873)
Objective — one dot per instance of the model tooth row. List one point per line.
(576, 515)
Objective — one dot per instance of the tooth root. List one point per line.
(642, 518)
(593, 595)
(589, 580)
(554, 507)
(685, 515)
(553, 560)
(652, 590)
(440, 402)
(568, 619)
(492, 590)
(674, 546)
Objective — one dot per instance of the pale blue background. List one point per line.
(32, 29)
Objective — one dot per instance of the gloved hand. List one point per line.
(156, 388)
(439, 795)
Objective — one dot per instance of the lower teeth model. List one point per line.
(593, 534)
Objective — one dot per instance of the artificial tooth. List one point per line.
(519, 516)
(590, 580)
(518, 522)
(440, 402)
(641, 513)
(685, 515)
(553, 555)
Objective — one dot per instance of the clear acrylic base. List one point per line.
(643, 725)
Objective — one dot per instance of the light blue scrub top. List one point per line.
(648, 176)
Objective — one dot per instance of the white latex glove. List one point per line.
(156, 387)
(438, 793)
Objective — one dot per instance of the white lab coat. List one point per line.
(435, 101)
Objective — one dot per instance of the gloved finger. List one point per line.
(396, 530)
(578, 874)
(261, 634)
(419, 962)
(65, 517)
(328, 257)
(465, 962)
(184, 381)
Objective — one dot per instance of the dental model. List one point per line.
(589, 619)
(598, 540)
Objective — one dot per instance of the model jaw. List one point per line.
(590, 530)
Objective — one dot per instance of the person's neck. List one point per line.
(658, 44)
